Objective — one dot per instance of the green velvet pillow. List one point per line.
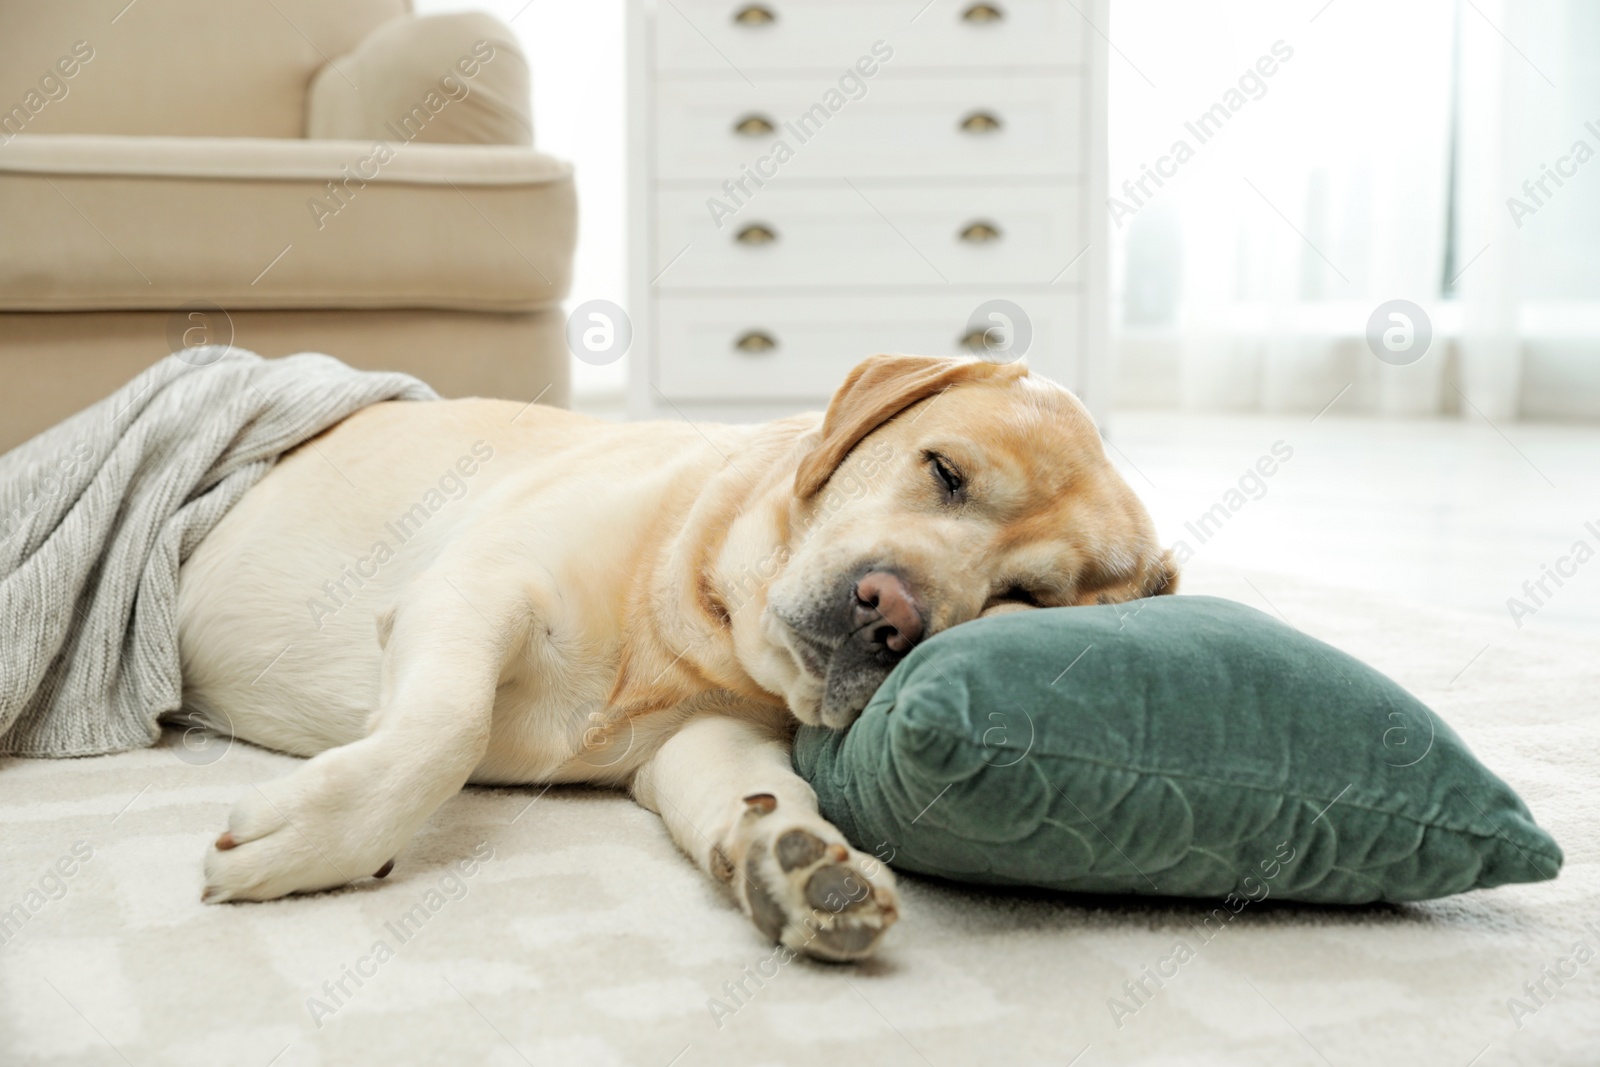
(1181, 746)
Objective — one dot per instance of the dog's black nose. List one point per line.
(885, 613)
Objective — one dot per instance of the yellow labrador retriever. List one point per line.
(432, 594)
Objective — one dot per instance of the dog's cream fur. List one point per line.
(632, 605)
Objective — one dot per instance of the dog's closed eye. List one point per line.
(1011, 598)
(948, 475)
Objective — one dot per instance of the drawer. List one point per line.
(1017, 126)
(880, 236)
(716, 36)
(817, 339)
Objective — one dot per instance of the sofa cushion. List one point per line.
(53, 364)
(188, 68)
(107, 222)
(444, 79)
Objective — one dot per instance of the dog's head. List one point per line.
(937, 491)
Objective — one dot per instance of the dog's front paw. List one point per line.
(312, 830)
(804, 887)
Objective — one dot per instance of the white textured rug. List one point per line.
(587, 939)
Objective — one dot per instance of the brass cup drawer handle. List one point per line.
(755, 342)
(983, 13)
(753, 126)
(756, 234)
(980, 122)
(755, 15)
(976, 341)
(981, 233)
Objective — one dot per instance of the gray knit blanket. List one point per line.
(98, 512)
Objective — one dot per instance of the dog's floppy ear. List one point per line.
(1164, 580)
(877, 390)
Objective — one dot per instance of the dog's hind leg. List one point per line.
(732, 801)
(347, 812)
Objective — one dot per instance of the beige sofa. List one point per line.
(328, 175)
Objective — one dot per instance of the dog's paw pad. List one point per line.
(815, 895)
(799, 848)
(760, 804)
(837, 889)
(765, 911)
(846, 942)
(721, 865)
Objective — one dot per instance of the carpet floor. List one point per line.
(584, 937)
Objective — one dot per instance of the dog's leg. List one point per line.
(348, 811)
(731, 800)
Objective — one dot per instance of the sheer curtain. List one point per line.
(576, 56)
(1357, 152)
(1531, 198)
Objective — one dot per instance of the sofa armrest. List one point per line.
(439, 79)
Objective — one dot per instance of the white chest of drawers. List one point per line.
(813, 181)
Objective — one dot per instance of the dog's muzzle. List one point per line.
(856, 636)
